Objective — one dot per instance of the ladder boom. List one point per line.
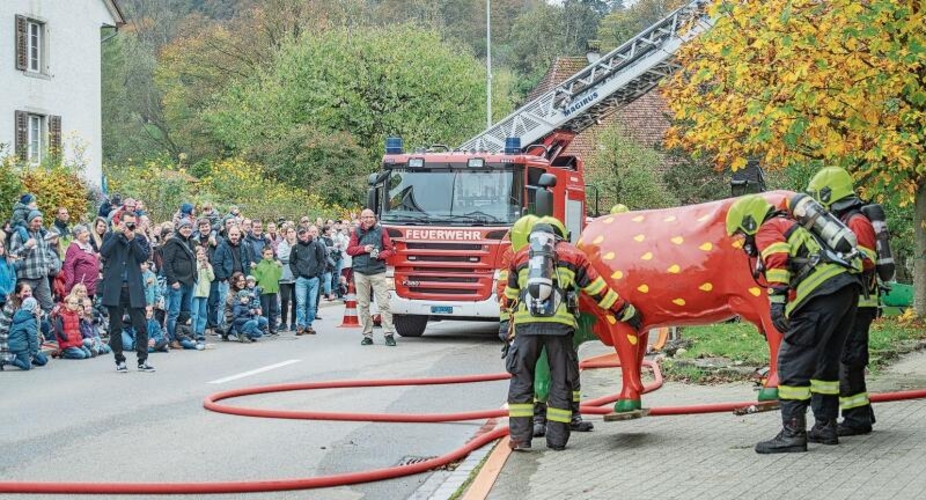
(618, 78)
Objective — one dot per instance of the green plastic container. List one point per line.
(900, 295)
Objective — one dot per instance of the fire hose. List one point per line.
(213, 403)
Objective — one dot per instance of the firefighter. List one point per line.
(542, 281)
(813, 305)
(518, 236)
(833, 188)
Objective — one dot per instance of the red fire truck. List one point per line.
(448, 211)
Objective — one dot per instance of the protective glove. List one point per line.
(629, 314)
(778, 317)
(503, 326)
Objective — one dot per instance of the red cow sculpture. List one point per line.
(678, 267)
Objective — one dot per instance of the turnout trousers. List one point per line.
(808, 360)
(853, 393)
(521, 364)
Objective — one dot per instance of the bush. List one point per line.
(55, 185)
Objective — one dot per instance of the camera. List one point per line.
(130, 226)
(374, 254)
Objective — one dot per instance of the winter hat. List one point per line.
(184, 223)
(186, 208)
(29, 304)
(27, 198)
(32, 215)
(251, 278)
(243, 294)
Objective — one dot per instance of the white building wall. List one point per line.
(71, 89)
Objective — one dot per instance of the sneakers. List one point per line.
(175, 345)
(300, 331)
(366, 341)
(200, 346)
(390, 341)
(145, 367)
(310, 331)
(121, 368)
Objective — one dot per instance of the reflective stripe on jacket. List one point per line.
(782, 241)
(572, 271)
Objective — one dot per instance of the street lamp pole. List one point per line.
(488, 64)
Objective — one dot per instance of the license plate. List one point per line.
(441, 309)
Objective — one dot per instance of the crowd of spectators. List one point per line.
(202, 273)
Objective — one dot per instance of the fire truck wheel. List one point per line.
(410, 326)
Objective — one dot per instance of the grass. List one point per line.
(741, 344)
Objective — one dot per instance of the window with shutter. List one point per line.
(21, 147)
(54, 136)
(21, 43)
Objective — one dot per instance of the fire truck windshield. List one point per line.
(454, 196)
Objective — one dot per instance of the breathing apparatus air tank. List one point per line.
(810, 214)
(541, 291)
(885, 265)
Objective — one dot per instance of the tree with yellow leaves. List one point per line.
(793, 82)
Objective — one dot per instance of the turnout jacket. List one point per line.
(867, 244)
(783, 247)
(572, 271)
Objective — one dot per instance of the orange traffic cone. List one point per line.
(350, 309)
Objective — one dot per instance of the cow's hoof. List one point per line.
(768, 394)
(627, 405)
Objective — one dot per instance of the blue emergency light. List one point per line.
(394, 146)
(512, 145)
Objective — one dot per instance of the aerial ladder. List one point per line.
(601, 88)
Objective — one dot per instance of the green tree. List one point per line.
(370, 84)
(621, 25)
(623, 171)
(694, 180)
(839, 83)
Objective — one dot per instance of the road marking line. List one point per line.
(254, 372)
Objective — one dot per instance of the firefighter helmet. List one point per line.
(619, 209)
(830, 185)
(746, 214)
(521, 230)
(558, 228)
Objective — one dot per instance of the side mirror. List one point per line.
(547, 181)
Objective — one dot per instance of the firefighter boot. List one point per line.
(823, 432)
(791, 439)
(578, 424)
(540, 419)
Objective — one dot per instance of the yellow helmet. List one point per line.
(521, 230)
(558, 226)
(831, 184)
(746, 214)
(619, 209)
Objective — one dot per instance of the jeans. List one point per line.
(200, 310)
(220, 307)
(306, 296)
(187, 343)
(326, 284)
(254, 328)
(178, 300)
(288, 304)
(76, 353)
(40, 359)
(212, 305)
(21, 360)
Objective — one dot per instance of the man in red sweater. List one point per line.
(369, 247)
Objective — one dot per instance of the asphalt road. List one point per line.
(81, 421)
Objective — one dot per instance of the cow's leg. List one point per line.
(630, 350)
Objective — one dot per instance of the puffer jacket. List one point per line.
(80, 266)
(24, 332)
(67, 329)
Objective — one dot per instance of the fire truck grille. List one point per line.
(443, 279)
(457, 270)
(444, 246)
(443, 258)
(443, 291)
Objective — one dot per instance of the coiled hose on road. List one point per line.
(212, 403)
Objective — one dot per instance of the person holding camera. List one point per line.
(124, 251)
(370, 246)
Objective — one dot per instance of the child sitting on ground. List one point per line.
(67, 330)
(24, 336)
(157, 340)
(246, 324)
(89, 330)
(184, 333)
